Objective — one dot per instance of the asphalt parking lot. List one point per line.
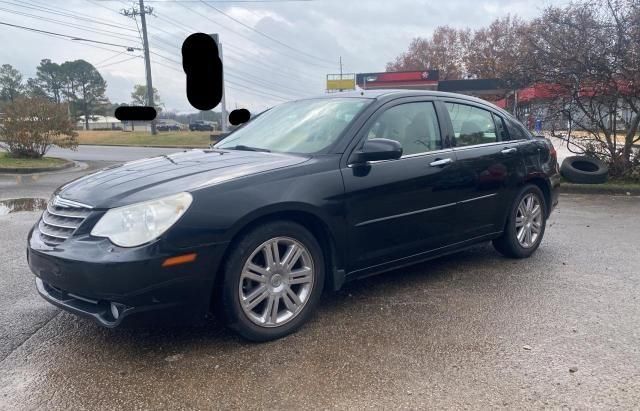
(472, 330)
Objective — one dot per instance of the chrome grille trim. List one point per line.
(60, 225)
(67, 214)
(62, 202)
(44, 229)
(61, 219)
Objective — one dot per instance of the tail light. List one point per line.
(552, 149)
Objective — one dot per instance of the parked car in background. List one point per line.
(201, 125)
(309, 195)
(164, 126)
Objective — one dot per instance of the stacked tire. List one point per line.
(584, 170)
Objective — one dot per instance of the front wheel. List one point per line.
(525, 225)
(273, 281)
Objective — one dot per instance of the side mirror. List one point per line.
(377, 149)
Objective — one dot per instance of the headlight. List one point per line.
(136, 224)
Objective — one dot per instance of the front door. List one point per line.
(399, 208)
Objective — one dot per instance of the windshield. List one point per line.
(305, 126)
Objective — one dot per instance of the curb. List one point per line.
(598, 189)
(23, 170)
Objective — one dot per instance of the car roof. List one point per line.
(390, 94)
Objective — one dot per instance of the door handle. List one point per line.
(441, 162)
(508, 150)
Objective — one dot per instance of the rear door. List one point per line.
(398, 208)
(490, 162)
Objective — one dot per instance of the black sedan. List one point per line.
(200, 125)
(307, 196)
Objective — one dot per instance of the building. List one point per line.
(100, 123)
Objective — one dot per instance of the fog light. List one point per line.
(114, 311)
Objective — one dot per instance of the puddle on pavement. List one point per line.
(16, 205)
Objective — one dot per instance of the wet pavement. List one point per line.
(16, 205)
(472, 330)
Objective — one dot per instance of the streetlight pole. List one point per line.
(223, 102)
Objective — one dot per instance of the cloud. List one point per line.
(260, 72)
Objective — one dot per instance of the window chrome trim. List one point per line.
(425, 153)
(488, 144)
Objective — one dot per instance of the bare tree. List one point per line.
(499, 51)
(590, 52)
(444, 51)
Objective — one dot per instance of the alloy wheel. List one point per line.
(276, 282)
(529, 220)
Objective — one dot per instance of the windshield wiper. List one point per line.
(247, 148)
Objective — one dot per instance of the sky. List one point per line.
(274, 50)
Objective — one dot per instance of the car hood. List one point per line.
(161, 176)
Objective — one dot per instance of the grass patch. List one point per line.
(614, 186)
(26, 163)
(144, 138)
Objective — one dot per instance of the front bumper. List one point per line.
(90, 277)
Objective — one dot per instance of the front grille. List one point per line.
(61, 219)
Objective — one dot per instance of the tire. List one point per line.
(509, 244)
(241, 290)
(584, 170)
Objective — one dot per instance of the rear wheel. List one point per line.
(273, 281)
(525, 225)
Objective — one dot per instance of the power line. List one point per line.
(233, 46)
(249, 78)
(230, 52)
(75, 38)
(277, 70)
(252, 92)
(119, 61)
(113, 34)
(109, 58)
(79, 16)
(264, 85)
(190, 30)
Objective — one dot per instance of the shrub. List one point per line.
(32, 125)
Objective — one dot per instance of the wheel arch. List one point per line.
(545, 187)
(334, 275)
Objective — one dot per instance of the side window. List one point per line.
(503, 135)
(413, 125)
(516, 132)
(471, 125)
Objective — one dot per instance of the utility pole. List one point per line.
(223, 102)
(143, 11)
(341, 72)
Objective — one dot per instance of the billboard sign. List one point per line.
(421, 78)
(339, 82)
